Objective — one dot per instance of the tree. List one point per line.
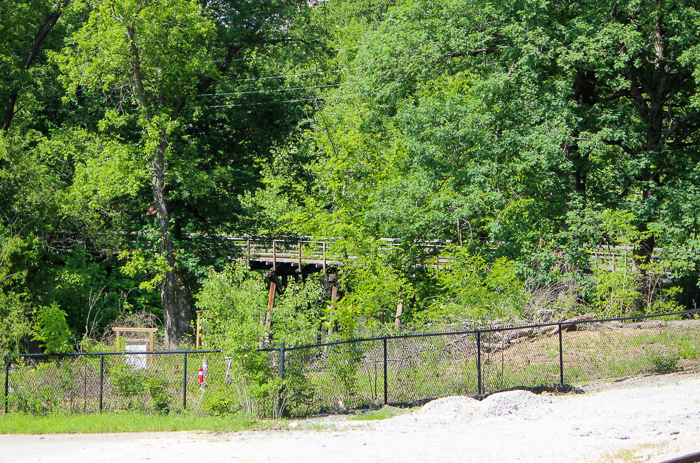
(549, 107)
(34, 19)
(516, 123)
(152, 54)
(160, 63)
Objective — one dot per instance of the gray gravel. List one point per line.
(641, 419)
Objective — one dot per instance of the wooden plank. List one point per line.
(118, 329)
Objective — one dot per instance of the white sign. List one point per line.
(137, 361)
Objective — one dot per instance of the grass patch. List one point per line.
(664, 363)
(64, 423)
(640, 453)
(373, 415)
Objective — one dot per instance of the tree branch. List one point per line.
(685, 135)
(637, 95)
(44, 29)
(625, 148)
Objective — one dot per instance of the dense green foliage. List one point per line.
(520, 137)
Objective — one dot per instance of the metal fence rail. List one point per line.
(359, 373)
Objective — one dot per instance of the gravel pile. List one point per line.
(456, 410)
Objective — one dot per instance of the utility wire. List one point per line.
(287, 101)
(256, 79)
(286, 89)
(343, 97)
(295, 75)
(252, 58)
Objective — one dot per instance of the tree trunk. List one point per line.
(175, 292)
(168, 297)
(643, 252)
(171, 284)
(175, 300)
(184, 306)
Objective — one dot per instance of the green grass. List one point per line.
(64, 423)
(382, 414)
(688, 348)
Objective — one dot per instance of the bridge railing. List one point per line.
(287, 250)
(301, 251)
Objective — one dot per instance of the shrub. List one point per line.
(664, 363)
(220, 402)
(157, 389)
(235, 307)
(133, 385)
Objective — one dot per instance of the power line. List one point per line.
(295, 75)
(252, 58)
(287, 101)
(276, 90)
(349, 48)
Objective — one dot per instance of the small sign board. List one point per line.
(137, 361)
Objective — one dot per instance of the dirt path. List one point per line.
(641, 419)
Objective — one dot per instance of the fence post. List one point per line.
(280, 400)
(102, 377)
(282, 360)
(386, 385)
(561, 359)
(480, 386)
(7, 383)
(184, 381)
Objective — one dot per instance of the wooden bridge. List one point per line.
(299, 257)
(302, 256)
(293, 257)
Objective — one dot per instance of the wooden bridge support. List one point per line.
(399, 311)
(334, 297)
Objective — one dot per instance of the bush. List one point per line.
(44, 387)
(133, 385)
(157, 389)
(235, 308)
(220, 402)
(664, 363)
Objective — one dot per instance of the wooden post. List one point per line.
(198, 342)
(334, 292)
(248, 255)
(324, 257)
(399, 311)
(270, 305)
(299, 256)
(334, 297)
(274, 255)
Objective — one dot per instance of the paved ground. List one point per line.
(641, 419)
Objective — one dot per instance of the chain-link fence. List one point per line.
(361, 373)
(412, 369)
(86, 383)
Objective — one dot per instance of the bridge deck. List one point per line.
(308, 256)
